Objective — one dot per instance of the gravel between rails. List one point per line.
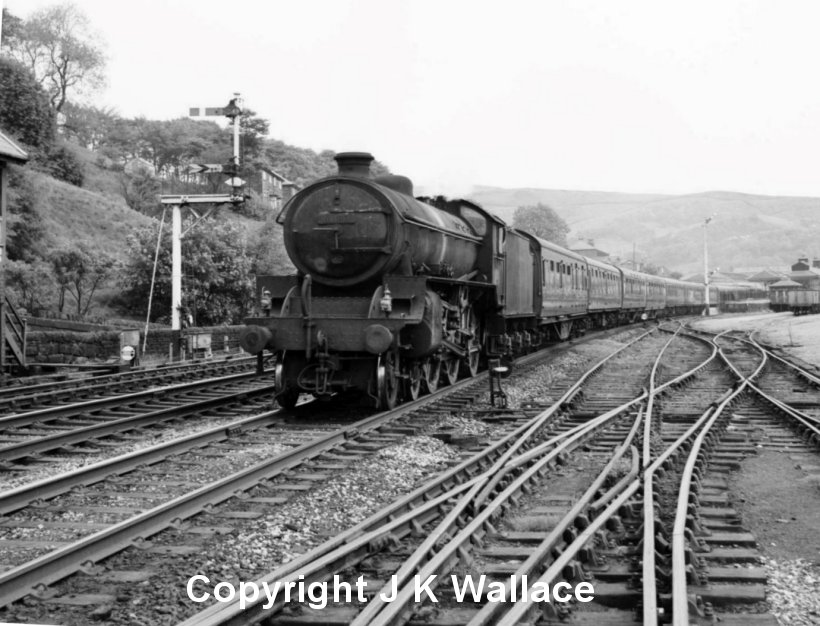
(793, 591)
(343, 501)
(536, 385)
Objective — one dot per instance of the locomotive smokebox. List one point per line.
(354, 229)
(354, 164)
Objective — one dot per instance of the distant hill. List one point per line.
(747, 230)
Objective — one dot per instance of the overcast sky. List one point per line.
(610, 95)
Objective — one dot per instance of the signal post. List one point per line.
(176, 202)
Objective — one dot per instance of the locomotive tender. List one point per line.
(394, 294)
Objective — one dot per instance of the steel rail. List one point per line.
(626, 487)
(808, 422)
(378, 613)
(19, 497)
(680, 600)
(650, 588)
(515, 615)
(11, 394)
(803, 372)
(98, 404)
(487, 613)
(648, 564)
(538, 422)
(51, 442)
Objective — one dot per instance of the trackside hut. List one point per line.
(779, 293)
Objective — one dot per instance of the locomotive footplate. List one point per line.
(394, 339)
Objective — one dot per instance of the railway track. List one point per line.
(19, 398)
(93, 426)
(602, 449)
(266, 485)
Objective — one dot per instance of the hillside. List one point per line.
(71, 214)
(747, 231)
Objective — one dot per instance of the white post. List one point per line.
(706, 266)
(236, 119)
(236, 136)
(176, 265)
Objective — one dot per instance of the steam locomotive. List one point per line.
(395, 295)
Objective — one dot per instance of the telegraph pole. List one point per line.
(233, 112)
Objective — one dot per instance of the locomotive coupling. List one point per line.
(254, 339)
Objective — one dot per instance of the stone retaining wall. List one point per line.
(64, 346)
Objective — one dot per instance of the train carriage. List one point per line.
(675, 296)
(634, 288)
(605, 292)
(655, 295)
(564, 287)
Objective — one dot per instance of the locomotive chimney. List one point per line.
(356, 164)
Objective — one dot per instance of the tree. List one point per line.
(24, 106)
(88, 125)
(59, 46)
(141, 192)
(217, 273)
(542, 221)
(31, 284)
(80, 273)
(268, 251)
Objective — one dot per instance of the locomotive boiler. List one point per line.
(391, 293)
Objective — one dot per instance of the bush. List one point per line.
(62, 164)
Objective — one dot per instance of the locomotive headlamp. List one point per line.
(386, 303)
